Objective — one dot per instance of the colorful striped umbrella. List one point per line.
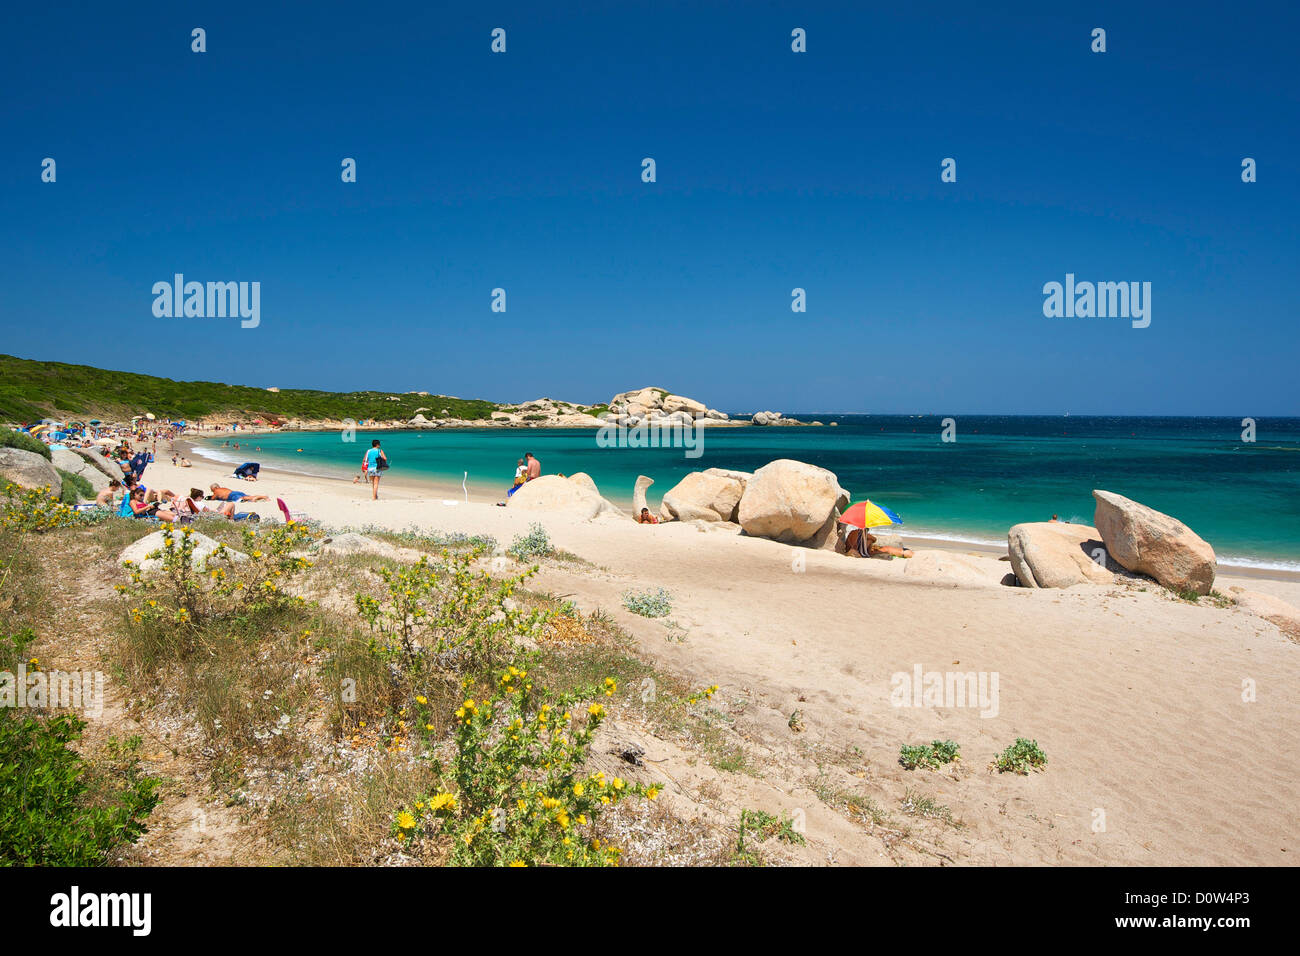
(867, 514)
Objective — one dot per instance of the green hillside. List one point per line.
(30, 391)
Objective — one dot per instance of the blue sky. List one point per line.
(775, 170)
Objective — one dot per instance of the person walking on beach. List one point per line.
(374, 461)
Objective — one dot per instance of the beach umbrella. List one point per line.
(867, 514)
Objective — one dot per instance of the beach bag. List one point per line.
(382, 464)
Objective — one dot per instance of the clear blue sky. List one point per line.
(775, 170)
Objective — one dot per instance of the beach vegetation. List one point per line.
(1021, 757)
(535, 544)
(442, 612)
(425, 539)
(75, 488)
(762, 825)
(23, 442)
(657, 603)
(515, 793)
(932, 755)
(34, 510)
(186, 593)
(316, 730)
(32, 390)
(915, 804)
(56, 807)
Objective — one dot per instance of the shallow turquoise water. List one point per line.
(1242, 497)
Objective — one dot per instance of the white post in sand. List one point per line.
(464, 487)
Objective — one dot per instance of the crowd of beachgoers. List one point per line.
(132, 448)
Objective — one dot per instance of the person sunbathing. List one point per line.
(645, 517)
(193, 506)
(226, 494)
(105, 497)
(147, 509)
(860, 543)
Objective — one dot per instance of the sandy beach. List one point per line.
(1135, 695)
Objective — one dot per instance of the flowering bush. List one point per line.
(517, 795)
(182, 593)
(36, 510)
(443, 611)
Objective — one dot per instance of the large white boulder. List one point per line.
(791, 501)
(680, 403)
(70, 461)
(1149, 542)
(638, 493)
(1056, 554)
(553, 493)
(28, 470)
(101, 462)
(702, 496)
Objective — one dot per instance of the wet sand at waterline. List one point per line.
(1135, 696)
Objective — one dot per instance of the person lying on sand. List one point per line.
(860, 543)
(645, 517)
(192, 506)
(226, 494)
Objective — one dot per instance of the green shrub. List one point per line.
(649, 603)
(441, 614)
(23, 441)
(1021, 757)
(764, 826)
(536, 544)
(933, 755)
(75, 488)
(54, 809)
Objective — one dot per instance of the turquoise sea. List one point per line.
(1243, 497)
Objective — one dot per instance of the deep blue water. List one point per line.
(1243, 497)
